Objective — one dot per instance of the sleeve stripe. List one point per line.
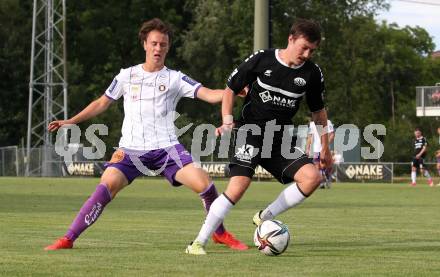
(108, 96)
(196, 90)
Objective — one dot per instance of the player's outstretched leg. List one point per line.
(428, 176)
(413, 178)
(288, 198)
(307, 180)
(217, 212)
(87, 215)
(220, 235)
(197, 179)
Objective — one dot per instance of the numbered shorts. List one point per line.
(165, 162)
(418, 163)
(248, 151)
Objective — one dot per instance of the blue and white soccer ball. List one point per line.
(272, 237)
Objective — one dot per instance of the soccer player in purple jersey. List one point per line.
(151, 92)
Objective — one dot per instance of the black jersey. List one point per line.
(418, 146)
(275, 89)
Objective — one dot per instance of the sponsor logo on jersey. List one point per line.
(265, 96)
(135, 88)
(245, 153)
(268, 72)
(112, 86)
(299, 81)
(189, 80)
(135, 92)
(277, 100)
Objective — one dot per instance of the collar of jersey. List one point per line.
(285, 64)
(148, 72)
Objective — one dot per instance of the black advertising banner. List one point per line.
(216, 169)
(96, 168)
(92, 168)
(364, 172)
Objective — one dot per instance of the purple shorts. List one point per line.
(316, 157)
(165, 161)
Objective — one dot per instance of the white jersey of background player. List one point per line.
(316, 139)
(314, 147)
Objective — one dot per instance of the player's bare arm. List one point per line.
(309, 143)
(93, 109)
(212, 96)
(331, 137)
(320, 119)
(227, 106)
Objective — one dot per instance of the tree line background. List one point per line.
(371, 69)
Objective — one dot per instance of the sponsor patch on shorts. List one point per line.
(117, 157)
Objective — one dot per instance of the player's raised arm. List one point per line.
(93, 109)
(227, 106)
(212, 96)
(320, 119)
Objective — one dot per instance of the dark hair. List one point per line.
(311, 30)
(417, 129)
(151, 25)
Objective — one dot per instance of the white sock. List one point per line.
(426, 173)
(288, 198)
(218, 211)
(413, 176)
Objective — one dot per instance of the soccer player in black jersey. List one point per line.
(420, 149)
(278, 80)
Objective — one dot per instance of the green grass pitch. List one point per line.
(349, 230)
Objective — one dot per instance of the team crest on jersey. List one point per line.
(189, 80)
(265, 96)
(268, 72)
(245, 153)
(162, 87)
(299, 81)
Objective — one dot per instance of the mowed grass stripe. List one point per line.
(349, 230)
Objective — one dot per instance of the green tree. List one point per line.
(15, 36)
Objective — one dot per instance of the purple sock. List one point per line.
(89, 212)
(208, 196)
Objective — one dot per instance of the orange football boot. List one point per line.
(229, 240)
(61, 243)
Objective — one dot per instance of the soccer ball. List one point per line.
(272, 237)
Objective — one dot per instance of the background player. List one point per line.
(437, 165)
(151, 92)
(420, 149)
(278, 79)
(313, 149)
